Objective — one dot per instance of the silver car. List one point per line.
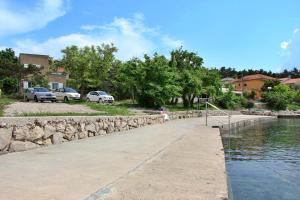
(39, 94)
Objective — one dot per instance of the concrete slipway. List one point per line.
(181, 159)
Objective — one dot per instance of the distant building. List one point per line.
(225, 83)
(251, 83)
(56, 79)
(292, 82)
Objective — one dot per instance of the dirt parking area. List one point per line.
(33, 107)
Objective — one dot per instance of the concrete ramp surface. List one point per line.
(181, 159)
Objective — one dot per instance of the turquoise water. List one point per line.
(263, 162)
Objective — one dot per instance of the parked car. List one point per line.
(66, 94)
(100, 97)
(39, 94)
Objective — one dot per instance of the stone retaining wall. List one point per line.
(24, 133)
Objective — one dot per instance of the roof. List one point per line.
(227, 79)
(284, 79)
(36, 55)
(255, 77)
(292, 81)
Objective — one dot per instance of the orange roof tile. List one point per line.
(255, 77)
(292, 81)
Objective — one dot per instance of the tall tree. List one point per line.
(189, 67)
(88, 66)
(10, 68)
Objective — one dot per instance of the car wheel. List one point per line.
(53, 101)
(26, 99)
(42, 101)
(100, 100)
(66, 99)
(35, 99)
(88, 100)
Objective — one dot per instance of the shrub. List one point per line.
(10, 85)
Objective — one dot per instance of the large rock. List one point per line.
(24, 133)
(82, 134)
(20, 133)
(69, 132)
(60, 127)
(5, 138)
(90, 128)
(35, 133)
(49, 131)
(57, 138)
(22, 146)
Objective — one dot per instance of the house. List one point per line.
(251, 83)
(292, 82)
(56, 79)
(225, 83)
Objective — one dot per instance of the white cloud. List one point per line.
(172, 43)
(291, 50)
(284, 45)
(130, 35)
(14, 20)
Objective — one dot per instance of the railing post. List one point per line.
(206, 112)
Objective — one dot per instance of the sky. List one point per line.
(249, 34)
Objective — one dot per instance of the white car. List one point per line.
(66, 94)
(100, 97)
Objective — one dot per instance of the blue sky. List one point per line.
(242, 34)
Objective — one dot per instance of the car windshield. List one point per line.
(103, 93)
(41, 90)
(71, 90)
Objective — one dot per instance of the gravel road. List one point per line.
(26, 107)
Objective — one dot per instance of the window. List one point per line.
(41, 90)
(54, 86)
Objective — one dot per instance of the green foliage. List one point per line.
(293, 107)
(229, 100)
(269, 84)
(250, 95)
(188, 66)
(9, 85)
(157, 82)
(279, 97)
(3, 102)
(89, 66)
(11, 67)
(107, 109)
(129, 77)
(39, 79)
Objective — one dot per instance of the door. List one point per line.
(94, 96)
(60, 94)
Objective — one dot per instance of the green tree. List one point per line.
(190, 72)
(11, 67)
(211, 83)
(279, 98)
(129, 77)
(269, 85)
(88, 66)
(157, 84)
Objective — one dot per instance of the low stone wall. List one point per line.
(24, 133)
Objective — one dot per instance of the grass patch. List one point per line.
(3, 102)
(179, 107)
(293, 107)
(109, 109)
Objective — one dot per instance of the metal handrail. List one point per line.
(227, 113)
